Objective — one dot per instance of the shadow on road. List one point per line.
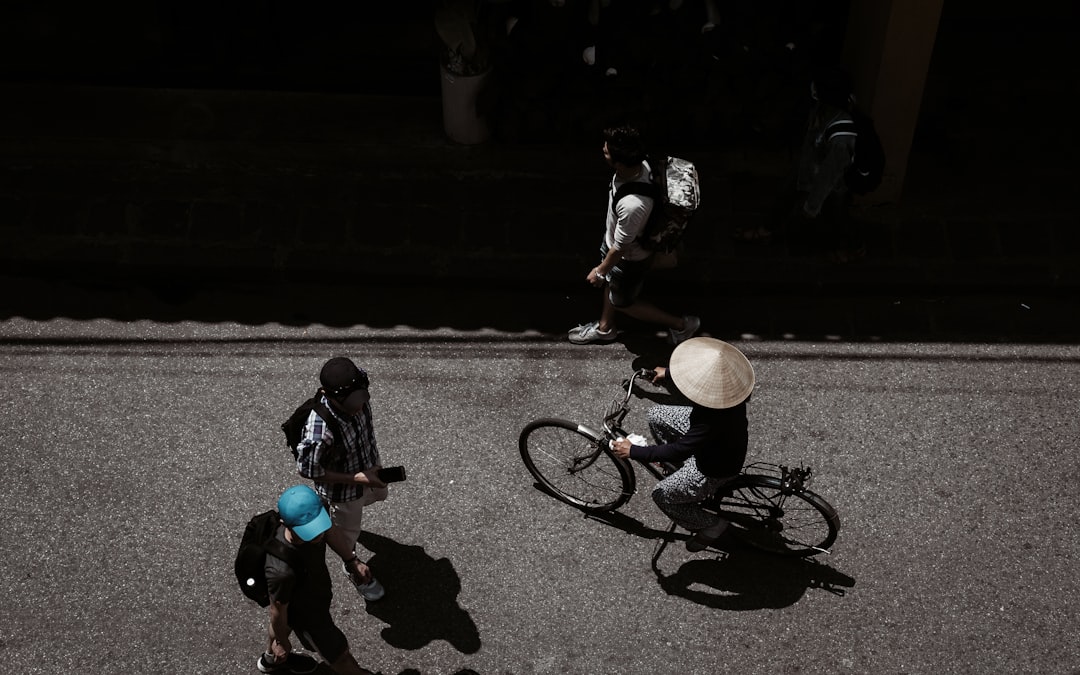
(741, 579)
(632, 526)
(421, 600)
(324, 669)
(412, 671)
(423, 303)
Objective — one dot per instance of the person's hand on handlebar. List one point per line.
(621, 448)
(659, 375)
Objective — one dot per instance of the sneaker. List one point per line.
(705, 538)
(372, 590)
(300, 664)
(692, 325)
(590, 334)
(699, 543)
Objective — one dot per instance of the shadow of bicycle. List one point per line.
(738, 578)
(421, 597)
(631, 525)
(735, 576)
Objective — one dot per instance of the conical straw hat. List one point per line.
(711, 372)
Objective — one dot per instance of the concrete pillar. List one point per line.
(887, 48)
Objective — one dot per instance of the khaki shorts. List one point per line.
(347, 516)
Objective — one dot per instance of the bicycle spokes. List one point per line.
(572, 463)
(582, 462)
(771, 515)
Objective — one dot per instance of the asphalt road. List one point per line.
(136, 451)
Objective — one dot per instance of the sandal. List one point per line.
(756, 234)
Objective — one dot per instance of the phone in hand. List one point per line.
(391, 474)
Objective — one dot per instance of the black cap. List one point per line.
(345, 383)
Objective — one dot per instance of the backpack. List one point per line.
(868, 160)
(294, 426)
(259, 540)
(676, 193)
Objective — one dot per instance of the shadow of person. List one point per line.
(421, 597)
(741, 579)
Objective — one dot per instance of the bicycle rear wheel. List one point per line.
(574, 465)
(767, 517)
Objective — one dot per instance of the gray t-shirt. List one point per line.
(300, 589)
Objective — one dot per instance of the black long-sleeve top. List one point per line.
(717, 440)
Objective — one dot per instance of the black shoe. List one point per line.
(704, 539)
(699, 543)
(299, 664)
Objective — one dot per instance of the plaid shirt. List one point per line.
(320, 452)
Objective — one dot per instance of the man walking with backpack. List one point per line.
(341, 458)
(827, 153)
(624, 260)
(821, 188)
(299, 588)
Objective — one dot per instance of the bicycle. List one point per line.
(772, 511)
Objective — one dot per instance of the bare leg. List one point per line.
(607, 313)
(650, 313)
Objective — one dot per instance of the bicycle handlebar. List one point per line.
(619, 410)
(646, 373)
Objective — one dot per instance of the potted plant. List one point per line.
(465, 69)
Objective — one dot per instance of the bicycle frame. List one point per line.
(614, 419)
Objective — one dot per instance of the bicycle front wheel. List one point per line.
(767, 517)
(574, 465)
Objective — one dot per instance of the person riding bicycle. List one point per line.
(710, 435)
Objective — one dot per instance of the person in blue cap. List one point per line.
(300, 589)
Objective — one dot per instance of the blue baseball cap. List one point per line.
(303, 512)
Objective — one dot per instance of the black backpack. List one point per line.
(294, 426)
(676, 193)
(259, 540)
(868, 161)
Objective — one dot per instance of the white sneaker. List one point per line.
(590, 334)
(692, 324)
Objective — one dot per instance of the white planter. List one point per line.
(463, 120)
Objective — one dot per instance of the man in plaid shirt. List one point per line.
(344, 470)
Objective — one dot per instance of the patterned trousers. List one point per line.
(678, 494)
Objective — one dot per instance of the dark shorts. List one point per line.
(626, 280)
(318, 632)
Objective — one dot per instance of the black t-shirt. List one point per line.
(300, 589)
(717, 440)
